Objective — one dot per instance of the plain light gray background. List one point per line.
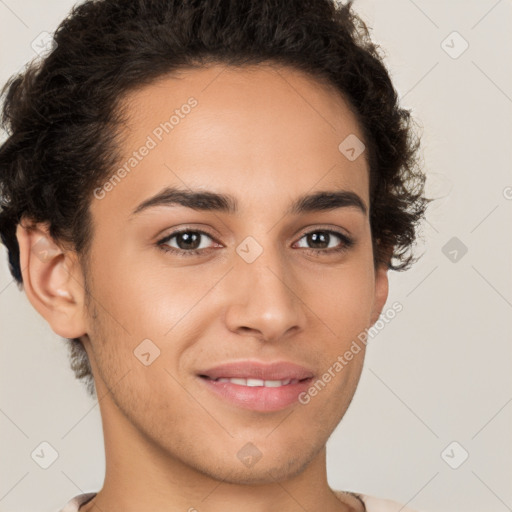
(438, 373)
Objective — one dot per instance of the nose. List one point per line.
(263, 298)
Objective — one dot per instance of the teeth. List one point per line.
(258, 382)
(241, 382)
(255, 382)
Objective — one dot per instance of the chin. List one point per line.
(255, 476)
(260, 472)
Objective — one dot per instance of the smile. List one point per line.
(258, 395)
(257, 382)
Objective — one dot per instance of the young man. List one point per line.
(204, 199)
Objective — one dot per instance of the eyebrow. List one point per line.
(225, 203)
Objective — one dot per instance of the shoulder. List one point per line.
(74, 503)
(375, 504)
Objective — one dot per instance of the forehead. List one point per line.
(240, 94)
(263, 132)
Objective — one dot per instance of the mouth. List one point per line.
(263, 396)
(257, 382)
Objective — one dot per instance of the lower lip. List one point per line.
(258, 398)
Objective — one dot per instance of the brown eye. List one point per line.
(326, 241)
(188, 242)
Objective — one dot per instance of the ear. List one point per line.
(381, 287)
(52, 280)
(381, 292)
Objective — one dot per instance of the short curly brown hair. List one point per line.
(61, 113)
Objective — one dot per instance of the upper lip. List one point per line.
(277, 370)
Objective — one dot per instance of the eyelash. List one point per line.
(346, 245)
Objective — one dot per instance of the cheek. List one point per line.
(343, 301)
(147, 300)
(149, 315)
(342, 297)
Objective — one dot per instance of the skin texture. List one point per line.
(266, 135)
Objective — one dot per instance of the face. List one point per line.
(251, 279)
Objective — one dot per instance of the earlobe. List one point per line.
(52, 280)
